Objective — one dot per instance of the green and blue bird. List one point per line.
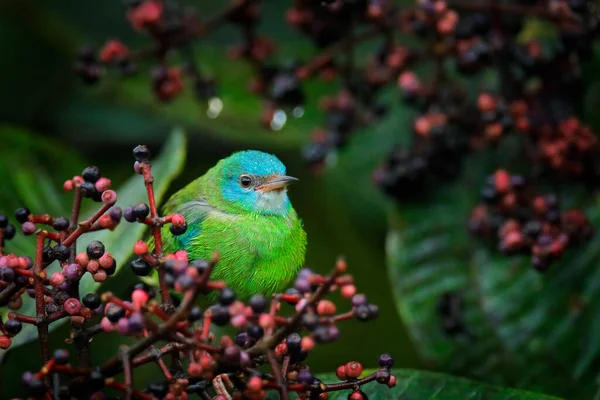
(240, 209)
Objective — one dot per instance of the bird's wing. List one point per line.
(194, 211)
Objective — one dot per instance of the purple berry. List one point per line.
(28, 228)
(95, 249)
(305, 377)
(123, 325)
(128, 214)
(115, 213)
(13, 326)
(359, 300)
(386, 361)
(72, 272)
(7, 274)
(303, 285)
(61, 356)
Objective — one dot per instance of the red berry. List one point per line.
(145, 14)
(140, 248)
(502, 181)
(112, 50)
(392, 382)
(72, 306)
(177, 219)
(353, 369)
(307, 343)
(195, 370)
(325, 307)
(5, 342)
(139, 297)
(356, 396)
(341, 373)
(254, 384)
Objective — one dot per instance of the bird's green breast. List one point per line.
(258, 253)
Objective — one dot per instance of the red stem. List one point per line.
(40, 305)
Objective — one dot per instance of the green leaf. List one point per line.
(421, 385)
(26, 183)
(528, 329)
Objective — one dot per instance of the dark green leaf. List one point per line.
(421, 385)
(526, 329)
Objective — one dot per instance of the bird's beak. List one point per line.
(276, 182)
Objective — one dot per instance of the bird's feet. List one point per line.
(220, 386)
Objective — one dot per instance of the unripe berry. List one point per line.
(325, 307)
(353, 369)
(340, 372)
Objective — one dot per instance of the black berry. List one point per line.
(140, 211)
(88, 189)
(95, 249)
(3, 221)
(140, 267)
(220, 315)
(13, 326)
(91, 301)
(22, 214)
(114, 313)
(226, 297)
(91, 174)
(258, 303)
(9, 232)
(141, 153)
(195, 314)
(61, 356)
(178, 230)
(61, 224)
(256, 331)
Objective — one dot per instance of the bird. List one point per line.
(240, 209)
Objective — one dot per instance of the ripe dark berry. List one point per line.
(386, 361)
(91, 174)
(128, 214)
(220, 315)
(13, 326)
(374, 311)
(95, 249)
(158, 389)
(362, 313)
(3, 221)
(140, 211)
(61, 356)
(298, 357)
(310, 321)
(88, 190)
(178, 230)
(96, 381)
(52, 308)
(47, 256)
(114, 313)
(61, 224)
(258, 303)
(9, 232)
(305, 377)
(256, 331)
(140, 267)
(61, 252)
(226, 297)
(7, 274)
(195, 314)
(141, 153)
(200, 265)
(382, 376)
(293, 342)
(241, 338)
(22, 214)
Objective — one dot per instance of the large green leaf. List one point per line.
(422, 385)
(528, 329)
(26, 181)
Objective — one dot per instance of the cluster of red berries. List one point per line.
(527, 223)
(208, 366)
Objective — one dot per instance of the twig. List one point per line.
(278, 375)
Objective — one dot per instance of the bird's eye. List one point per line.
(245, 181)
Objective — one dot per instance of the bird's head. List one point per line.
(256, 182)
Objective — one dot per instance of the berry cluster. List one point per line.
(525, 222)
(280, 331)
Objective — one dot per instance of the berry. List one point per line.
(72, 272)
(61, 224)
(5, 342)
(305, 377)
(28, 228)
(310, 321)
(9, 232)
(61, 356)
(13, 326)
(220, 315)
(141, 153)
(91, 174)
(7, 274)
(95, 250)
(258, 303)
(140, 267)
(52, 308)
(353, 369)
(386, 361)
(382, 376)
(61, 252)
(128, 214)
(256, 331)
(140, 211)
(178, 230)
(226, 297)
(22, 214)
(293, 342)
(72, 306)
(200, 265)
(158, 389)
(96, 381)
(88, 190)
(36, 387)
(114, 313)
(3, 221)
